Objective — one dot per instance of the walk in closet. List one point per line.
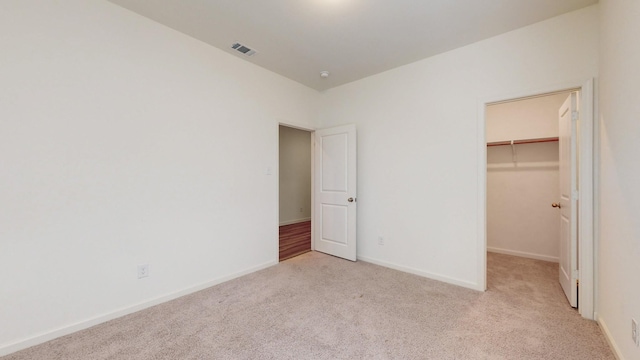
(523, 177)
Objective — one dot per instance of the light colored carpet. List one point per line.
(319, 307)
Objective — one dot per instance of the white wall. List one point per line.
(418, 130)
(295, 175)
(531, 118)
(123, 142)
(619, 223)
(520, 219)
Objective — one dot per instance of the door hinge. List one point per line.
(574, 116)
(576, 274)
(575, 195)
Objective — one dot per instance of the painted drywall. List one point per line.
(418, 131)
(531, 118)
(123, 142)
(619, 198)
(295, 175)
(520, 219)
(520, 189)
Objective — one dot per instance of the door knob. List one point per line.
(350, 199)
(556, 205)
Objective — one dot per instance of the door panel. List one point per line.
(335, 186)
(334, 226)
(568, 122)
(334, 162)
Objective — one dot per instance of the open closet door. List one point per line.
(335, 191)
(568, 114)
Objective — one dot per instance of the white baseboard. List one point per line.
(607, 335)
(291, 222)
(446, 279)
(554, 259)
(85, 324)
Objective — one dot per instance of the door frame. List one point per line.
(587, 172)
(311, 132)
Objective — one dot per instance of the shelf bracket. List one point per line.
(514, 155)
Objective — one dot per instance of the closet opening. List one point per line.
(523, 177)
(295, 192)
(536, 166)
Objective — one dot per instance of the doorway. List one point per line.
(585, 175)
(332, 190)
(295, 192)
(523, 177)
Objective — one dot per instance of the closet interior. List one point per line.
(523, 177)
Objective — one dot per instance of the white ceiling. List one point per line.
(351, 39)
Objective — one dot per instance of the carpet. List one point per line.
(316, 306)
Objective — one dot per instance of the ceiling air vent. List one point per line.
(243, 49)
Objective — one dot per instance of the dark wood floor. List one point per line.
(295, 239)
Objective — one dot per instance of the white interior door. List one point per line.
(568, 114)
(335, 191)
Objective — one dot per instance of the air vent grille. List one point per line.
(243, 49)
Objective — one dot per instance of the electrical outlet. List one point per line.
(380, 240)
(143, 271)
(634, 332)
(300, 209)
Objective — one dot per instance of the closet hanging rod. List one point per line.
(525, 141)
